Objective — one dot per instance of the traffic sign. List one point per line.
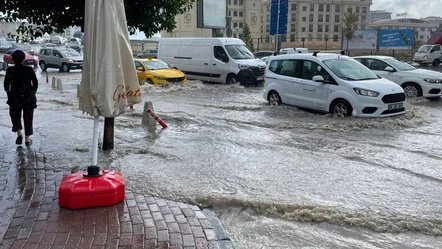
(281, 27)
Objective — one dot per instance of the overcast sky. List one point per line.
(414, 8)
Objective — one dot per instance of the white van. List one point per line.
(293, 50)
(211, 59)
(331, 83)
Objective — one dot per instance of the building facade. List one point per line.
(422, 28)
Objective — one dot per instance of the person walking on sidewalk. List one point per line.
(21, 84)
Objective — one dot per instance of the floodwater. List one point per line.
(278, 177)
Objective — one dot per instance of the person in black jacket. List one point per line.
(21, 85)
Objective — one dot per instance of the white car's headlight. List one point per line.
(243, 67)
(365, 92)
(434, 81)
(71, 61)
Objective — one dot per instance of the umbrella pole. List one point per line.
(94, 170)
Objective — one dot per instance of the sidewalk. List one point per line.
(32, 218)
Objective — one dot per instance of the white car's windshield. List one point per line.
(349, 69)
(69, 53)
(154, 65)
(425, 49)
(239, 52)
(399, 65)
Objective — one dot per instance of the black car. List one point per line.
(148, 53)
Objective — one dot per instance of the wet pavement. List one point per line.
(32, 218)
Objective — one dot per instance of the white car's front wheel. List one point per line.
(412, 90)
(341, 109)
(274, 98)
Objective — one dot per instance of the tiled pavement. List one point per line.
(32, 218)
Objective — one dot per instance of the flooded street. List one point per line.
(277, 177)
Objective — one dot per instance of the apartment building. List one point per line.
(422, 27)
(308, 20)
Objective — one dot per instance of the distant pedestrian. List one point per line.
(21, 85)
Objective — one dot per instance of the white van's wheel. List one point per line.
(274, 98)
(232, 79)
(341, 109)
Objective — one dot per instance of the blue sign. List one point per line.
(283, 6)
(396, 39)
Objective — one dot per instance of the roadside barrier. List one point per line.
(161, 122)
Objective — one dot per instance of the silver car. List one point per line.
(60, 57)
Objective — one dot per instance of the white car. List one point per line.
(331, 83)
(416, 82)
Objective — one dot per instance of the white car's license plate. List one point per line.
(395, 106)
(260, 78)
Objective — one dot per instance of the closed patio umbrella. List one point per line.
(109, 81)
(109, 84)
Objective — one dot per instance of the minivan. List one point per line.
(211, 59)
(331, 83)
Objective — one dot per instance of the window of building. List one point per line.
(303, 29)
(336, 18)
(235, 13)
(304, 19)
(241, 2)
(335, 38)
(336, 28)
(241, 13)
(327, 18)
(283, 38)
(326, 28)
(293, 6)
(310, 28)
(319, 37)
(422, 29)
(292, 38)
(320, 18)
(321, 7)
(357, 9)
(319, 27)
(241, 25)
(293, 17)
(267, 28)
(338, 8)
(364, 9)
(363, 18)
(310, 18)
(268, 8)
(327, 8)
(312, 7)
(230, 2)
(293, 27)
(304, 8)
(235, 24)
(235, 2)
(310, 37)
(268, 18)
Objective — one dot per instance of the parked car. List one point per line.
(36, 40)
(76, 46)
(261, 54)
(331, 83)
(155, 71)
(148, 53)
(22, 46)
(415, 82)
(4, 45)
(30, 60)
(60, 57)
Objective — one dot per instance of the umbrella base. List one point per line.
(79, 191)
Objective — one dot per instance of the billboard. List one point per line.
(399, 39)
(363, 39)
(211, 14)
(278, 9)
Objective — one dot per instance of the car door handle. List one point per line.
(213, 64)
(206, 64)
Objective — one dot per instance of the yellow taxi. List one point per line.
(155, 71)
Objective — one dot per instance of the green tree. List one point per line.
(349, 25)
(56, 15)
(247, 37)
